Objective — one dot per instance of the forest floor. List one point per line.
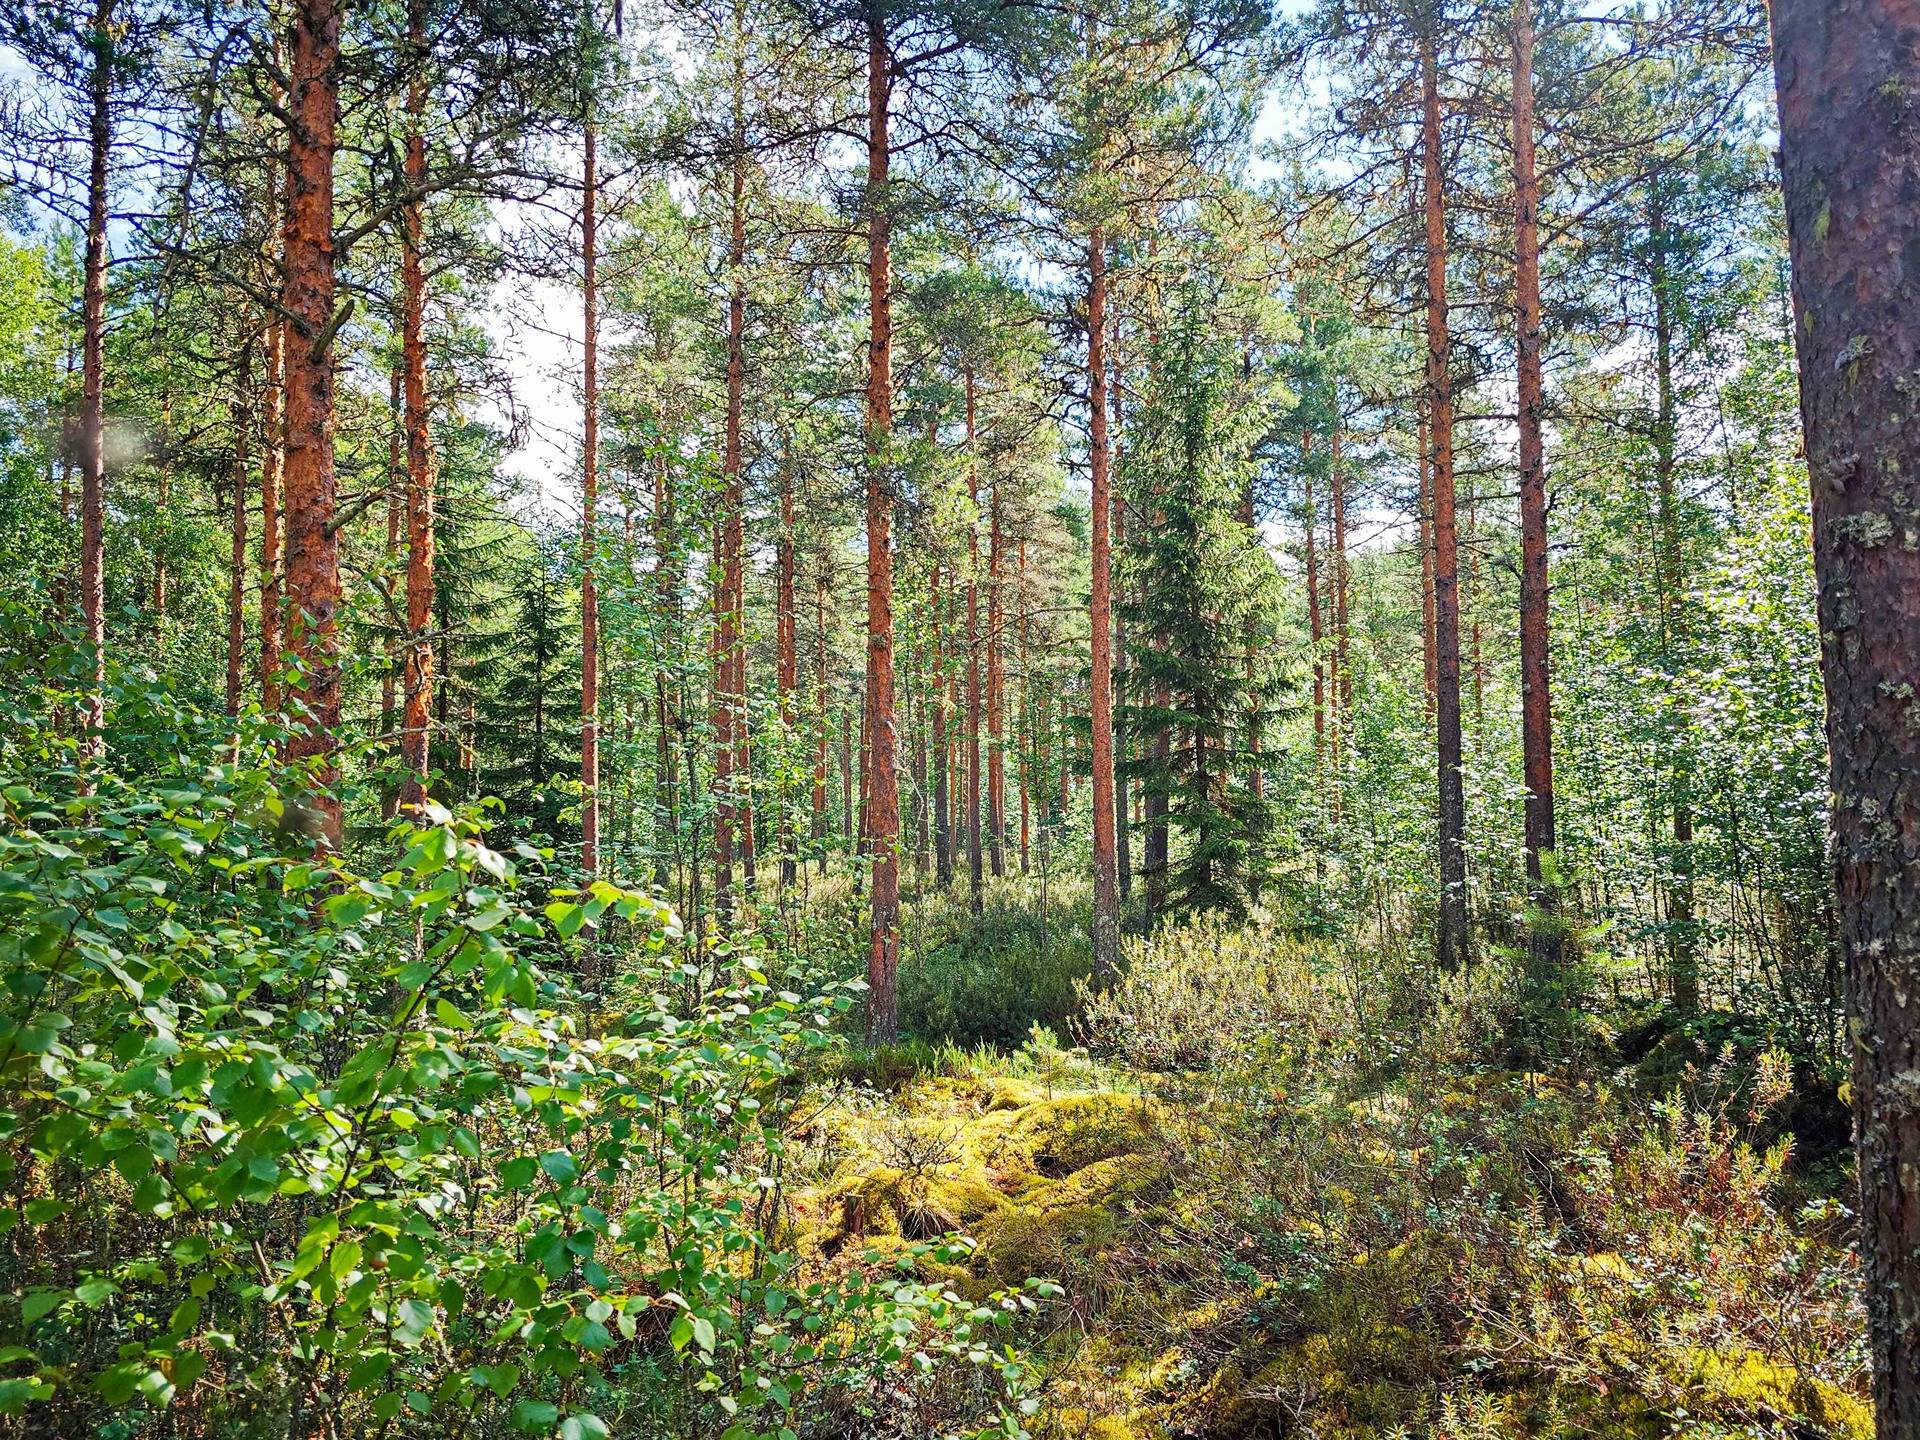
(1285, 1193)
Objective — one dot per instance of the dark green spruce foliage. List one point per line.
(1201, 607)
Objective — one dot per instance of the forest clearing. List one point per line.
(1113, 720)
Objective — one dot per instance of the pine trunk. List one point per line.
(1536, 705)
(237, 565)
(976, 866)
(589, 518)
(1452, 938)
(1106, 870)
(313, 556)
(93, 451)
(1850, 143)
(417, 688)
(883, 956)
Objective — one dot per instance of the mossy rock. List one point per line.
(1746, 1386)
(1071, 1132)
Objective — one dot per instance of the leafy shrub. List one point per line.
(296, 1147)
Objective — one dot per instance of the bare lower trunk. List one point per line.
(93, 455)
(996, 696)
(883, 956)
(237, 566)
(313, 560)
(1106, 868)
(976, 866)
(1452, 938)
(1850, 143)
(589, 520)
(1536, 703)
(417, 698)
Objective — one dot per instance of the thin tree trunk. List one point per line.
(1536, 703)
(942, 757)
(1122, 839)
(418, 684)
(237, 567)
(1025, 724)
(272, 488)
(996, 695)
(1427, 650)
(313, 558)
(93, 453)
(823, 716)
(1452, 937)
(976, 868)
(883, 956)
(666, 586)
(787, 665)
(589, 519)
(1850, 142)
(1683, 956)
(1342, 633)
(1315, 630)
(1106, 869)
(396, 504)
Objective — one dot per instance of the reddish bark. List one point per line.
(1452, 939)
(589, 520)
(1850, 143)
(883, 957)
(418, 676)
(1536, 706)
(1026, 707)
(313, 558)
(1106, 870)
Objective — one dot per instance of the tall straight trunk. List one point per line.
(1451, 939)
(589, 517)
(1536, 706)
(1850, 144)
(1315, 629)
(1255, 719)
(1683, 954)
(242, 413)
(846, 773)
(883, 955)
(1025, 726)
(734, 502)
(1428, 656)
(976, 868)
(1106, 868)
(1342, 632)
(396, 503)
(1122, 839)
(822, 715)
(273, 455)
(163, 499)
(996, 695)
(93, 450)
(418, 684)
(313, 553)
(942, 758)
(787, 664)
(666, 599)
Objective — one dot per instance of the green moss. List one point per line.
(1743, 1385)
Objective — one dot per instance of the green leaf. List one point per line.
(560, 1167)
(583, 1427)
